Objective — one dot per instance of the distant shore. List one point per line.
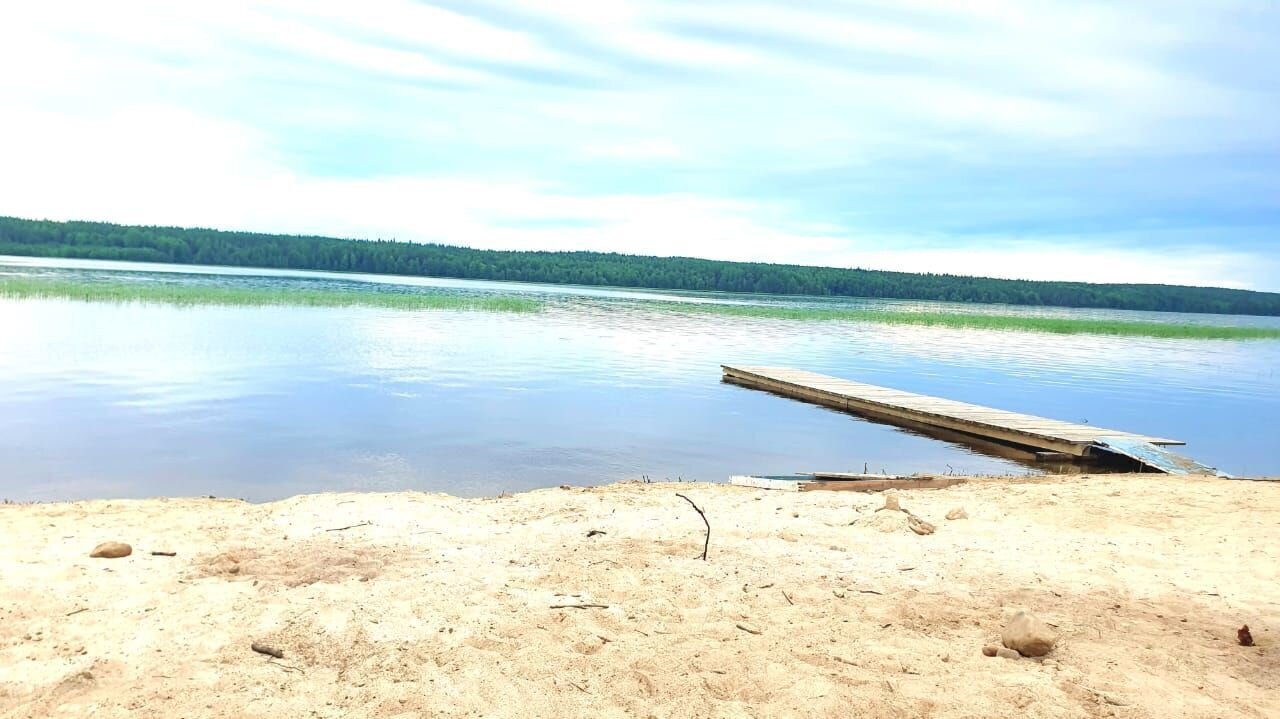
(594, 602)
(201, 246)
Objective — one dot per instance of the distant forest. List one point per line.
(97, 240)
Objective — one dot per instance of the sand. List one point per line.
(809, 604)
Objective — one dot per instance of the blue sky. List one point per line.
(1134, 141)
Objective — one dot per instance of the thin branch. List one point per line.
(706, 544)
(349, 526)
(579, 606)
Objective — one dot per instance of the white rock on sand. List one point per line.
(440, 606)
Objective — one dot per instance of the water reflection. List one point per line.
(129, 400)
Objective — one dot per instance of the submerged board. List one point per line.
(831, 481)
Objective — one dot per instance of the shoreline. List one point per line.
(409, 603)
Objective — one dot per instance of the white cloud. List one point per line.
(330, 118)
(162, 165)
(639, 149)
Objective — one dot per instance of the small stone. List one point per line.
(990, 650)
(1007, 654)
(1244, 636)
(958, 513)
(918, 525)
(111, 550)
(1028, 636)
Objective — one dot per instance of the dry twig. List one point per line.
(349, 526)
(706, 544)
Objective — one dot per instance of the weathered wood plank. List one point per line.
(899, 406)
(879, 485)
(785, 485)
(824, 481)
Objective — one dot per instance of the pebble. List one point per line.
(1028, 636)
(111, 550)
(1007, 654)
(958, 513)
(990, 650)
(1244, 637)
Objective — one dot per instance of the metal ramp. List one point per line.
(1153, 456)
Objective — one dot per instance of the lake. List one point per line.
(131, 400)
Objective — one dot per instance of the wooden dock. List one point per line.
(910, 409)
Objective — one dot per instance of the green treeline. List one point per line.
(97, 240)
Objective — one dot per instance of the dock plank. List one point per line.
(893, 404)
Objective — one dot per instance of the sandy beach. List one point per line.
(594, 603)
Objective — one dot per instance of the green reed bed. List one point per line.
(962, 320)
(188, 295)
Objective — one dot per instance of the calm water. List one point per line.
(106, 400)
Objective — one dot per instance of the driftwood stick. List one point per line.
(268, 650)
(579, 606)
(349, 526)
(706, 544)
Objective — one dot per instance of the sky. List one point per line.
(1042, 139)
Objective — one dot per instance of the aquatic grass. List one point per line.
(197, 294)
(1021, 323)
(190, 295)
